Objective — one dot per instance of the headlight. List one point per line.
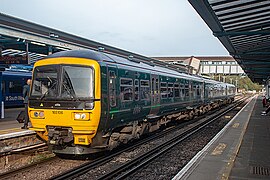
(37, 114)
(82, 116)
(77, 116)
(41, 114)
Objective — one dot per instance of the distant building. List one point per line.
(210, 65)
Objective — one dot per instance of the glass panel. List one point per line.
(112, 89)
(45, 82)
(145, 90)
(170, 90)
(15, 87)
(126, 89)
(77, 82)
(163, 90)
(176, 90)
(126, 82)
(186, 90)
(136, 83)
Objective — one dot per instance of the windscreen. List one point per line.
(77, 82)
(45, 82)
(63, 82)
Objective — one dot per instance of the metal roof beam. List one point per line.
(239, 33)
(240, 5)
(246, 38)
(243, 15)
(254, 62)
(254, 7)
(252, 54)
(222, 2)
(255, 72)
(257, 59)
(243, 24)
(246, 46)
(245, 19)
(250, 27)
(261, 48)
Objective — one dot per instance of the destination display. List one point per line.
(13, 60)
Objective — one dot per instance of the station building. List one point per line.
(220, 68)
(225, 65)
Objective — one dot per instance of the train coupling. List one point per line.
(59, 135)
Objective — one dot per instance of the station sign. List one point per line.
(13, 60)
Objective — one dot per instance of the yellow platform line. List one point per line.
(6, 131)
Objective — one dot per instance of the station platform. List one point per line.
(12, 137)
(240, 151)
(9, 124)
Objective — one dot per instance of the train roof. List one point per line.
(87, 54)
(133, 62)
(17, 73)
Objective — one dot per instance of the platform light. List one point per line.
(63, 49)
(101, 49)
(130, 57)
(52, 35)
(37, 43)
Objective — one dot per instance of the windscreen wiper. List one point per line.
(47, 92)
(68, 90)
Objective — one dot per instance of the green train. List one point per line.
(84, 101)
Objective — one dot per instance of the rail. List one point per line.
(88, 166)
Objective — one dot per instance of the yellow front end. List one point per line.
(82, 122)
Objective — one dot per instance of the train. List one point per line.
(85, 101)
(12, 82)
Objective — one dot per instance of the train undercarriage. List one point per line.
(135, 130)
(61, 139)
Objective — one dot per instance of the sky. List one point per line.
(146, 27)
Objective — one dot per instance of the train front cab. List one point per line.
(65, 114)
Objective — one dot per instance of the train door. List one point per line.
(155, 95)
(112, 90)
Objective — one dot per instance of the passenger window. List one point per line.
(145, 90)
(112, 89)
(176, 90)
(198, 91)
(182, 90)
(136, 92)
(186, 90)
(15, 87)
(126, 88)
(157, 86)
(194, 90)
(170, 90)
(163, 90)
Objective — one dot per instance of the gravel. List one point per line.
(166, 166)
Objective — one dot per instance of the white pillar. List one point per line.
(2, 110)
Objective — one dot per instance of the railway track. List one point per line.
(85, 167)
(128, 168)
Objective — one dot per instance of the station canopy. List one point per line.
(24, 42)
(243, 27)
